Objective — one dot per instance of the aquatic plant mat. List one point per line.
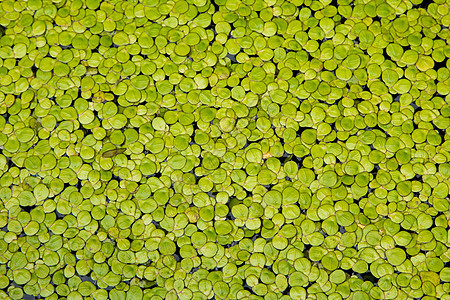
(224, 149)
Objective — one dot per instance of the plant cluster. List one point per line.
(224, 149)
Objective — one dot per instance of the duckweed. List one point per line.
(212, 149)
